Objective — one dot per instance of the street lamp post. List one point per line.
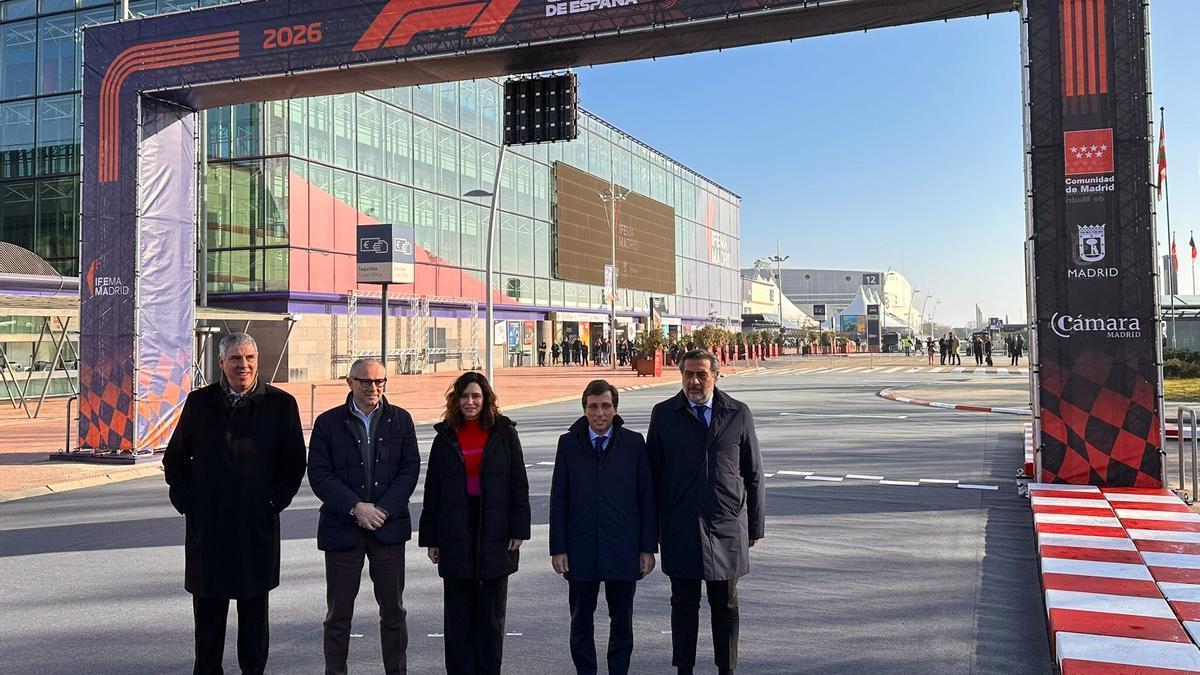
(933, 313)
(779, 260)
(490, 310)
(926, 302)
(610, 198)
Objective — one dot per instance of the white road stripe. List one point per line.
(1165, 535)
(969, 486)
(1065, 519)
(979, 371)
(937, 370)
(1002, 371)
(958, 370)
(1172, 516)
(1093, 568)
(943, 481)
(785, 472)
(1179, 560)
(832, 479)
(1145, 499)
(1109, 604)
(913, 370)
(855, 476)
(1066, 501)
(1024, 371)
(1127, 651)
(910, 483)
(1180, 592)
(1085, 541)
(1063, 487)
(892, 370)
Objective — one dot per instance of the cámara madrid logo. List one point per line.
(1065, 325)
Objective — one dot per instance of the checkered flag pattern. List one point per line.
(1099, 424)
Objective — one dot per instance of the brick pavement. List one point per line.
(25, 444)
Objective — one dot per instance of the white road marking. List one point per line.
(848, 415)
(942, 481)
(969, 486)
(937, 370)
(911, 483)
(832, 479)
(545, 463)
(785, 472)
(855, 476)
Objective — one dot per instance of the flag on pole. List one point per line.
(1162, 159)
(1192, 243)
(1174, 257)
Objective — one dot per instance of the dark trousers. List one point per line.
(253, 640)
(582, 598)
(685, 622)
(473, 624)
(343, 572)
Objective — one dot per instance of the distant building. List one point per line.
(761, 304)
(838, 288)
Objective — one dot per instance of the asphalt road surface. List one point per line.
(861, 571)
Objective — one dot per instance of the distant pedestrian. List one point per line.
(987, 349)
(555, 350)
(955, 350)
(577, 351)
(977, 350)
(929, 348)
(234, 461)
(603, 526)
(475, 517)
(944, 348)
(542, 353)
(363, 466)
(1018, 345)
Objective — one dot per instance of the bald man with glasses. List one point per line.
(363, 465)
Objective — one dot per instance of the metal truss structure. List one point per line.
(418, 353)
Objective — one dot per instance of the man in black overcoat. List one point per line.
(233, 464)
(603, 526)
(711, 505)
(363, 465)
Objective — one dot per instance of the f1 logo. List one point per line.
(400, 20)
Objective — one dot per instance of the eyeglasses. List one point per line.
(370, 383)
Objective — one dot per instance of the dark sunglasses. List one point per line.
(369, 383)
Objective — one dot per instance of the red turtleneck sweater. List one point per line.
(471, 438)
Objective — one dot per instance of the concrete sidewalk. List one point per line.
(25, 444)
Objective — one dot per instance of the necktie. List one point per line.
(599, 443)
(700, 410)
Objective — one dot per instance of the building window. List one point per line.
(18, 59)
(16, 139)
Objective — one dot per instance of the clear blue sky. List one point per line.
(897, 148)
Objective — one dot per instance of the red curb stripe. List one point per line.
(1139, 588)
(1153, 546)
(1117, 625)
(1177, 574)
(1089, 530)
(1093, 554)
(1082, 667)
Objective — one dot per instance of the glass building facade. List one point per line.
(287, 182)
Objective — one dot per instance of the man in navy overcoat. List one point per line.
(602, 524)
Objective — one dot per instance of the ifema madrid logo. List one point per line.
(1066, 325)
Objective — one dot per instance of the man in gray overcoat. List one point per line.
(234, 462)
(711, 505)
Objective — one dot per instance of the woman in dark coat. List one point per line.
(474, 519)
